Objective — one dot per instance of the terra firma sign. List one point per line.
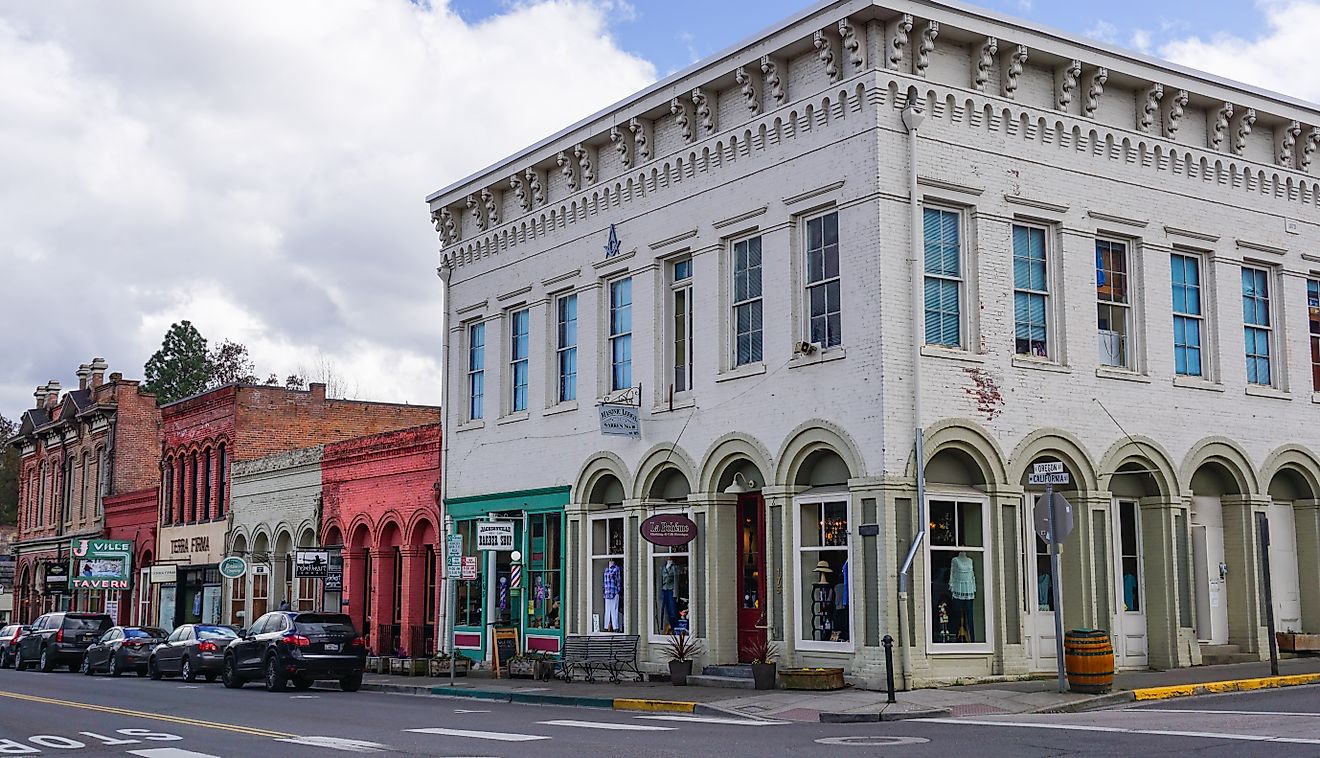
(100, 564)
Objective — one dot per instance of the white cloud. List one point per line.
(1140, 40)
(1103, 31)
(261, 169)
(1276, 58)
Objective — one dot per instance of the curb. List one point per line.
(870, 718)
(1089, 704)
(1228, 685)
(536, 698)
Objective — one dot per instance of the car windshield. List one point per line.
(146, 632)
(215, 633)
(85, 623)
(323, 623)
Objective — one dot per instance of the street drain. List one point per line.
(873, 741)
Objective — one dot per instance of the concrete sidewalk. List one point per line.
(1027, 696)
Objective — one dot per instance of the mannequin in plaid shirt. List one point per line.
(611, 585)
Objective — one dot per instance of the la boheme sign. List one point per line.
(495, 535)
(669, 530)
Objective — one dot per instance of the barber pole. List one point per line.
(515, 577)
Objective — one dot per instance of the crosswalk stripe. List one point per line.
(338, 743)
(170, 752)
(608, 725)
(479, 735)
(716, 720)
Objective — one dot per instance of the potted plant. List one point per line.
(681, 649)
(522, 667)
(763, 653)
(439, 665)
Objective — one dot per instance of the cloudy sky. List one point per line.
(259, 166)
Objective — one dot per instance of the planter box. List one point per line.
(440, 666)
(378, 665)
(1296, 642)
(812, 679)
(522, 668)
(408, 666)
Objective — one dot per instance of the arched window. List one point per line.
(206, 510)
(192, 488)
(224, 480)
(167, 491)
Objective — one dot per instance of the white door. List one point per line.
(1284, 582)
(1129, 586)
(1040, 635)
(1211, 571)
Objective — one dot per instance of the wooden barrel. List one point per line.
(1088, 658)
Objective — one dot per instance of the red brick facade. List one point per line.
(381, 503)
(132, 516)
(78, 449)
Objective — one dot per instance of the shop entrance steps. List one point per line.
(732, 677)
(1216, 655)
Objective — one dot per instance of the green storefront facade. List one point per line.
(491, 599)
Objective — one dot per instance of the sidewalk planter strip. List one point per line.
(812, 679)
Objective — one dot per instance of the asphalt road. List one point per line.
(60, 713)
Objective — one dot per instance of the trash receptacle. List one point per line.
(1088, 658)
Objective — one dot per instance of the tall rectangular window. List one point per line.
(944, 282)
(566, 346)
(519, 324)
(1313, 307)
(476, 374)
(621, 334)
(1187, 314)
(1256, 324)
(823, 302)
(681, 337)
(1113, 303)
(1031, 292)
(747, 335)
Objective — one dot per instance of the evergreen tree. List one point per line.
(180, 368)
(9, 466)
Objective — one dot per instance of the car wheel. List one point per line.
(4, 659)
(276, 681)
(351, 683)
(19, 664)
(186, 672)
(46, 662)
(115, 668)
(153, 670)
(230, 675)
(86, 667)
(303, 683)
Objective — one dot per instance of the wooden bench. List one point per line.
(615, 654)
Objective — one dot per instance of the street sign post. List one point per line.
(1058, 525)
(454, 554)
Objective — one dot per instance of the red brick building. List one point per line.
(132, 516)
(381, 504)
(204, 436)
(78, 449)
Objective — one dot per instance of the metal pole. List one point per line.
(1264, 524)
(451, 595)
(1054, 583)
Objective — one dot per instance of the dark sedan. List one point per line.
(190, 651)
(9, 643)
(123, 648)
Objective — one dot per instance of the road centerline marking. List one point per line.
(181, 720)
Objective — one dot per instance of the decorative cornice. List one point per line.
(731, 220)
(523, 290)
(667, 241)
(1113, 219)
(1260, 247)
(480, 304)
(1174, 231)
(927, 181)
(606, 263)
(1037, 204)
(809, 194)
(556, 279)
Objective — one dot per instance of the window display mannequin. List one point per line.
(1044, 588)
(962, 586)
(668, 602)
(611, 584)
(1129, 591)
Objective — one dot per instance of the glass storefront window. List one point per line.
(468, 606)
(957, 555)
(1130, 543)
(823, 603)
(671, 573)
(607, 579)
(544, 554)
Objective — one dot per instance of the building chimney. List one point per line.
(84, 371)
(40, 396)
(52, 394)
(318, 391)
(115, 377)
(98, 368)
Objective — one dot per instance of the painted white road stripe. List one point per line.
(608, 725)
(170, 752)
(1154, 732)
(479, 735)
(468, 710)
(716, 720)
(338, 743)
(1231, 713)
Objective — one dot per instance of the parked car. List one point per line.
(190, 650)
(122, 648)
(60, 639)
(286, 647)
(9, 637)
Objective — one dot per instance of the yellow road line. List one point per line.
(182, 720)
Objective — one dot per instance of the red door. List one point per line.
(751, 573)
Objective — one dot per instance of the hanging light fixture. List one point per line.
(740, 485)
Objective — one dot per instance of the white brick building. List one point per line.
(1100, 235)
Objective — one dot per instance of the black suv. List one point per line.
(60, 638)
(286, 646)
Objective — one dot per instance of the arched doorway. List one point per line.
(822, 517)
(239, 613)
(1288, 487)
(607, 579)
(358, 583)
(1211, 483)
(959, 594)
(1133, 482)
